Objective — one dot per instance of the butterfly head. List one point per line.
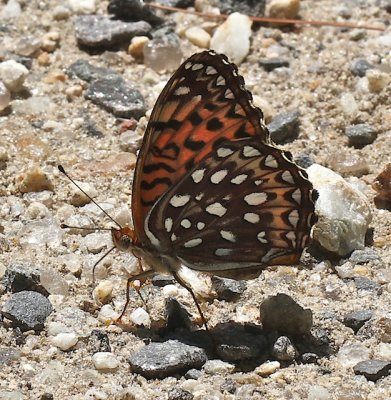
(124, 239)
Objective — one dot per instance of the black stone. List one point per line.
(117, 96)
(229, 385)
(176, 315)
(88, 72)
(159, 360)
(366, 284)
(373, 370)
(133, 10)
(178, 393)
(282, 314)
(309, 358)
(47, 396)
(360, 135)
(20, 277)
(228, 289)
(161, 280)
(284, 127)
(101, 31)
(27, 310)
(268, 64)
(356, 319)
(99, 341)
(360, 66)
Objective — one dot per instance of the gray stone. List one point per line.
(193, 374)
(101, 31)
(304, 160)
(178, 393)
(364, 256)
(88, 72)
(373, 370)
(20, 277)
(247, 7)
(99, 341)
(284, 127)
(114, 94)
(159, 360)
(133, 10)
(27, 310)
(309, 358)
(284, 350)
(228, 289)
(229, 385)
(161, 280)
(363, 283)
(268, 64)
(356, 319)
(360, 135)
(360, 66)
(282, 314)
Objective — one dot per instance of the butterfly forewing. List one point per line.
(243, 205)
(203, 104)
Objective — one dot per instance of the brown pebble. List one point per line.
(44, 59)
(382, 185)
(34, 180)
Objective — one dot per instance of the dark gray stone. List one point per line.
(360, 66)
(99, 341)
(248, 7)
(117, 96)
(133, 10)
(282, 314)
(364, 256)
(309, 358)
(176, 315)
(284, 350)
(101, 31)
(229, 385)
(161, 280)
(356, 319)
(20, 277)
(159, 360)
(27, 310)
(366, 284)
(178, 393)
(8, 356)
(304, 160)
(373, 370)
(193, 374)
(88, 72)
(360, 135)
(177, 3)
(228, 289)
(284, 127)
(234, 342)
(90, 128)
(268, 64)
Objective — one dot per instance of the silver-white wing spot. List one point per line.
(182, 90)
(293, 217)
(216, 209)
(168, 224)
(210, 70)
(188, 65)
(224, 152)
(287, 177)
(197, 67)
(258, 182)
(261, 237)
(270, 162)
(292, 237)
(200, 226)
(227, 235)
(198, 175)
(220, 81)
(199, 196)
(239, 179)
(296, 196)
(255, 199)
(218, 176)
(223, 252)
(173, 237)
(179, 200)
(229, 94)
(252, 218)
(249, 151)
(193, 243)
(186, 223)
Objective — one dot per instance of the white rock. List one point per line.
(103, 292)
(37, 210)
(61, 12)
(232, 38)
(218, 367)
(198, 36)
(11, 10)
(65, 341)
(5, 96)
(107, 314)
(82, 6)
(348, 103)
(105, 361)
(343, 212)
(377, 80)
(284, 8)
(268, 368)
(352, 353)
(140, 317)
(54, 282)
(78, 198)
(318, 392)
(13, 75)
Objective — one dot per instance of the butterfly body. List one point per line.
(210, 190)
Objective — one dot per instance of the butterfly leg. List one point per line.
(184, 285)
(138, 277)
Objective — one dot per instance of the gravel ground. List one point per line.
(63, 347)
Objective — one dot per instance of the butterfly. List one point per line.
(210, 189)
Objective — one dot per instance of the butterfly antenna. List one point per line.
(62, 170)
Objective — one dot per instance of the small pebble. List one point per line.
(135, 11)
(105, 361)
(373, 370)
(348, 163)
(78, 198)
(82, 6)
(198, 36)
(34, 180)
(99, 341)
(61, 13)
(103, 292)
(287, 9)
(350, 354)
(228, 289)
(218, 367)
(65, 341)
(284, 127)
(267, 368)
(136, 47)
(268, 64)
(363, 283)
(13, 75)
(317, 392)
(140, 317)
(348, 103)
(177, 393)
(229, 386)
(377, 80)
(357, 319)
(360, 66)
(130, 141)
(21, 276)
(284, 350)
(177, 315)
(382, 185)
(360, 135)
